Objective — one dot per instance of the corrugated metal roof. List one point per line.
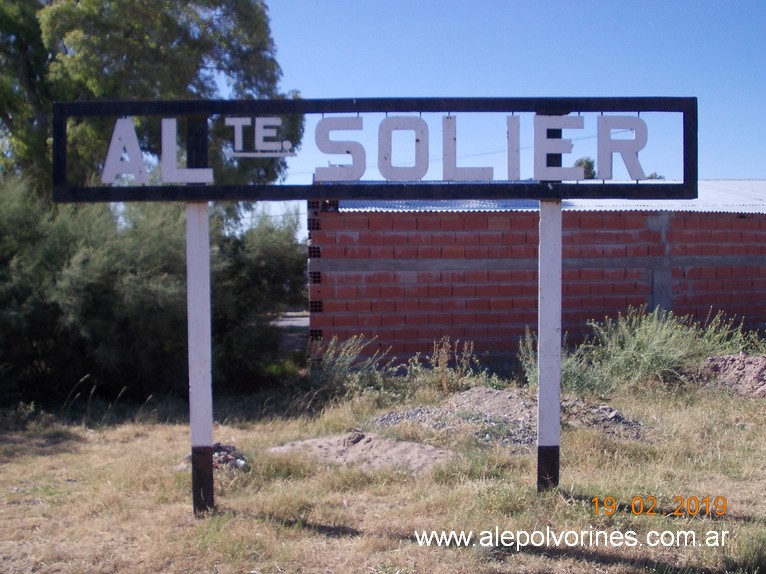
(715, 196)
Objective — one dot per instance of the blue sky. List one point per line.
(474, 48)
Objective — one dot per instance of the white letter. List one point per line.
(263, 130)
(238, 123)
(124, 140)
(415, 172)
(514, 162)
(171, 173)
(449, 148)
(627, 148)
(351, 172)
(545, 146)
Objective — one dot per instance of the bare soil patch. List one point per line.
(371, 451)
(504, 417)
(742, 374)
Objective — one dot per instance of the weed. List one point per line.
(639, 347)
(342, 369)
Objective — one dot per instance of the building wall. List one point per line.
(411, 278)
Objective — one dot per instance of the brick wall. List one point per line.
(410, 278)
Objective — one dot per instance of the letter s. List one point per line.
(350, 172)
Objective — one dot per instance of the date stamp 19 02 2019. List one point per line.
(647, 506)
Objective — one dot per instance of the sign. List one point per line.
(127, 176)
(252, 130)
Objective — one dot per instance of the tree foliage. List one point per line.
(589, 166)
(92, 290)
(132, 49)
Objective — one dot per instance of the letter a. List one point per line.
(124, 142)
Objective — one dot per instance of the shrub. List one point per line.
(342, 369)
(639, 347)
(100, 291)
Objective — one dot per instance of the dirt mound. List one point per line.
(505, 417)
(742, 374)
(509, 416)
(370, 451)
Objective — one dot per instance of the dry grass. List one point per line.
(110, 500)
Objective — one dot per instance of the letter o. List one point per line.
(385, 146)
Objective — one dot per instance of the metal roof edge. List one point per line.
(746, 196)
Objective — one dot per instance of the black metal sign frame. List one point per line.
(646, 189)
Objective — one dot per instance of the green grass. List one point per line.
(655, 348)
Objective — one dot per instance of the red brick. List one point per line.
(430, 305)
(476, 251)
(510, 290)
(334, 306)
(383, 306)
(524, 303)
(499, 222)
(344, 321)
(428, 222)
(453, 252)
(443, 238)
(405, 277)
(453, 276)
(439, 290)
(406, 305)
(475, 222)
(380, 222)
(491, 238)
(463, 290)
(404, 222)
(416, 291)
(477, 304)
(601, 288)
(320, 320)
(382, 277)
(392, 320)
(489, 290)
(503, 251)
(591, 221)
(333, 252)
(354, 252)
(637, 250)
(524, 251)
(470, 238)
(416, 319)
(381, 252)
(525, 221)
(429, 252)
(344, 291)
(358, 306)
(515, 238)
(440, 318)
(405, 252)
(369, 321)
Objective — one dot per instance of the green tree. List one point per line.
(100, 290)
(132, 49)
(589, 166)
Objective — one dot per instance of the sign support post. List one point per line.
(549, 335)
(549, 346)
(199, 329)
(200, 354)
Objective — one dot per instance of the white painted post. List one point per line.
(549, 346)
(200, 354)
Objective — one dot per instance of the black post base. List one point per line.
(202, 479)
(548, 459)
